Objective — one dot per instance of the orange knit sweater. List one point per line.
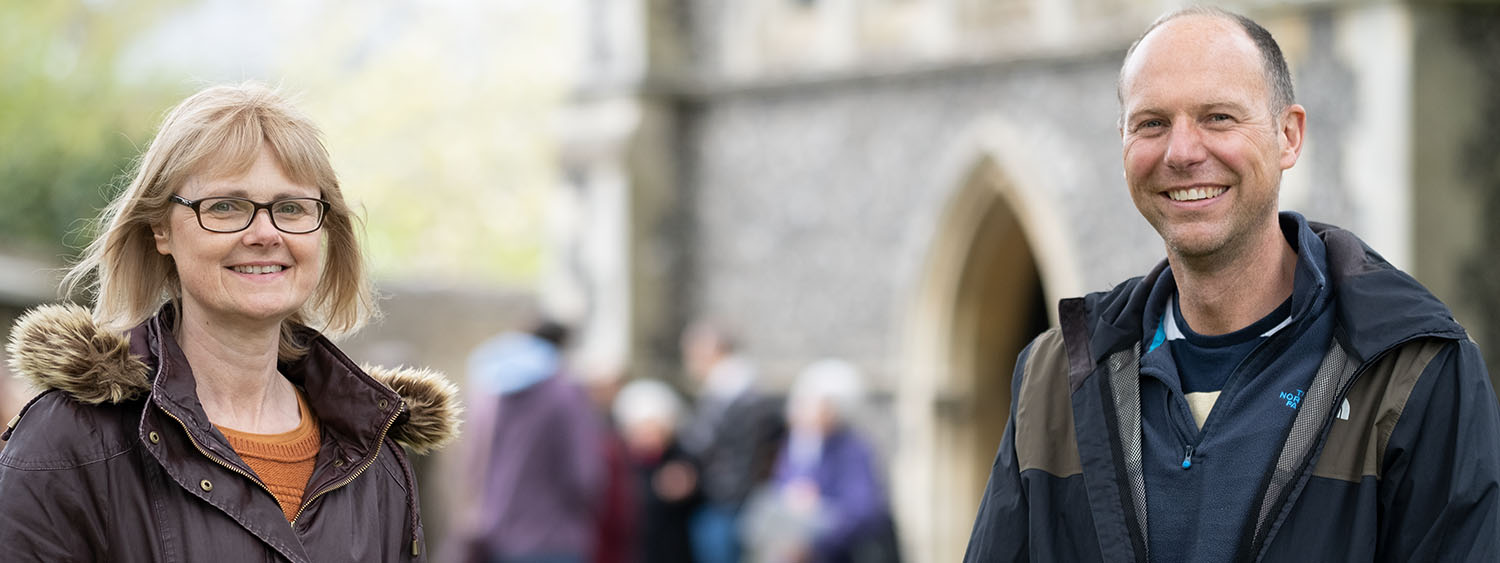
(283, 461)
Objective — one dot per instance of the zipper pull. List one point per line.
(1187, 460)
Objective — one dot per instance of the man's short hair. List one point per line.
(1272, 61)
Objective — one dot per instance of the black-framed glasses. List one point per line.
(293, 215)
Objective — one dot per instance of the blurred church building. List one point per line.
(913, 184)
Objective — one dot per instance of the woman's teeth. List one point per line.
(258, 269)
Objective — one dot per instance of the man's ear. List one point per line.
(1293, 127)
(163, 239)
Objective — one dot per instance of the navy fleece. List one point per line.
(1201, 485)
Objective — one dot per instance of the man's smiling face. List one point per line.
(1203, 152)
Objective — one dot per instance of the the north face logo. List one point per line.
(1344, 410)
(1292, 399)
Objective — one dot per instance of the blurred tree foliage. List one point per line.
(70, 125)
(440, 117)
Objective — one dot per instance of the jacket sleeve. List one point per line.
(1440, 490)
(1001, 530)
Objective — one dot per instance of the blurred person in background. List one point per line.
(734, 435)
(618, 524)
(198, 412)
(543, 470)
(825, 502)
(648, 412)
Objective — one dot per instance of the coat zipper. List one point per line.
(1339, 397)
(388, 423)
(214, 458)
(379, 443)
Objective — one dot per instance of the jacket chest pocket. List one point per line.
(362, 521)
(185, 527)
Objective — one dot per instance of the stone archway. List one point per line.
(998, 307)
(984, 296)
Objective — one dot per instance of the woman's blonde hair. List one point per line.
(219, 131)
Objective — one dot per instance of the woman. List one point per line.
(197, 414)
(647, 412)
(826, 503)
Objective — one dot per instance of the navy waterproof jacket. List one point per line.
(1394, 454)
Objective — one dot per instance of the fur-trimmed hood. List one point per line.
(61, 347)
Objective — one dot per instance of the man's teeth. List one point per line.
(259, 269)
(1193, 194)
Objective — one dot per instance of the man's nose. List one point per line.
(1185, 146)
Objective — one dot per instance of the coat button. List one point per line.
(207, 486)
(155, 438)
(338, 462)
(384, 403)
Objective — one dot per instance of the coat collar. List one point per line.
(61, 347)
(1377, 305)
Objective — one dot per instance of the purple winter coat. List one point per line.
(545, 473)
(858, 525)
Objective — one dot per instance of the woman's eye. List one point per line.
(221, 207)
(289, 208)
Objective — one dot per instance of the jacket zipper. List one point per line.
(1192, 439)
(214, 458)
(1310, 462)
(1343, 393)
(379, 443)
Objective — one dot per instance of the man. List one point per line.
(734, 435)
(1273, 391)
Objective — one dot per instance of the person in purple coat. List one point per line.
(827, 503)
(543, 473)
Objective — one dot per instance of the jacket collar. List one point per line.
(1378, 306)
(1311, 292)
(61, 347)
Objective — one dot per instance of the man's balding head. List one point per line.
(1278, 77)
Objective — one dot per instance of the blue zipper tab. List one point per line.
(1187, 460)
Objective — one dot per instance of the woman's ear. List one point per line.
(163, 239)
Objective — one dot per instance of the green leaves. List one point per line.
(68, 125)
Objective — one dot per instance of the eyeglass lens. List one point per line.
(295, 215)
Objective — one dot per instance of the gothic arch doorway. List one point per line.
(982, 300)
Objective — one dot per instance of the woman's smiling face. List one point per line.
(257, 275)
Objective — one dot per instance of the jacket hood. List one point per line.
(61, 347)
(1377, 305)
(512, 362)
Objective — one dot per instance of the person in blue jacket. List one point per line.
(1273, 391)
(826, 502)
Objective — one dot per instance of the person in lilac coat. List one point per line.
(543, 473)
(825, 483)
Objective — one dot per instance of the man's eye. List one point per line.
(1219, 117)
(1151, 123)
